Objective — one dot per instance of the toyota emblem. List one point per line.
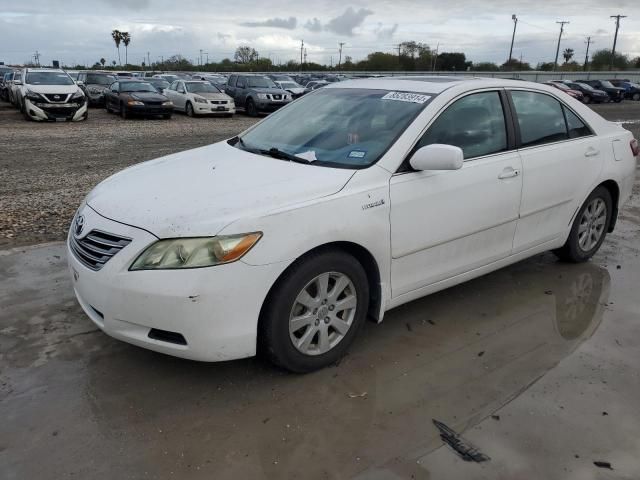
(79, 225)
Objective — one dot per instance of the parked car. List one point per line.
(577, 94)
(314, 85)
(95, 85)
(615, 94)
(51, 94)
(13, 88)
(5, 84)
(197, 97)
(256, 94)
(137, 97)
(353, 200)
(160, 84)
(290, 86)
(280, 78)
(73, 74)
(215, 80)
(590, 94)
(168, 77)
(631, 89)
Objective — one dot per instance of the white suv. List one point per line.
(49, 94)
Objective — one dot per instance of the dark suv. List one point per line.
(615, 94)
(95, 85)
(256, 93)
(632, 90)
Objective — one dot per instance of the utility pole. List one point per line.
(301, 53)
(200, 57)
(36, 57)
(615, 39)
(340, 54)
(513, 37)
(435, 58)
(305, 55)
(562, 24)
(586, 57)
(148, 59)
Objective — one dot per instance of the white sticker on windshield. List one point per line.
(309, 155)
(406, 97)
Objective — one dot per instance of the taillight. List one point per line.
(635, 148)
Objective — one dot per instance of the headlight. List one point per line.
(286, 97)
(79, 95)
(200, 100)
(168, 102)
(33, 96)
(195, 252)
(263, 96)
(134, 102)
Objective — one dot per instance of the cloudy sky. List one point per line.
(78, 31)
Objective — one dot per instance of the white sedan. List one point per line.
(197, 97)
(357, 198)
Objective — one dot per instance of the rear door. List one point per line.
(181, 96)
(561, 159)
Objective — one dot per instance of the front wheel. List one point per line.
(315, 311)
(589, 228)
(587, 99)
(251, 108)
(189, 110)
(636, 96)
(123, 112)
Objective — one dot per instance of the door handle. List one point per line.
(509, 172)
(591, 152)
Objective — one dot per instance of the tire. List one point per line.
(123, 112)
(189, 110)
(576, 249)
(587, 99)
(250, 108)
(618, 100)
(276, 336)
(636, 96)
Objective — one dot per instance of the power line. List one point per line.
(562, 24)
(615, 39)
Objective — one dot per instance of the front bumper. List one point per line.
(149, 110)
(70, 112)
(96, 99)
(215, 309)
(214, 108)
(269, 106)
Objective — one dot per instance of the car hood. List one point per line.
(147, 96)
(200, 191)
(296, 90)
(64, 89)
(213, 96)
(268, 90)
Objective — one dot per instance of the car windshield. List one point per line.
(561, 86)
(289, 85)
(48, 78)
(260, 82)
(136, 87)
(94, 79)
(158, 83)
(347, 128)
(586, 87)
(170, 78)
(201, 87)
(606, 84)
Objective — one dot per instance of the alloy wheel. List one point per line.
(592, 224)
(322, 313)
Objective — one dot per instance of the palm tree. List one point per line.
(126, 39)
(567, 54)
(103, 61)
(117, 38)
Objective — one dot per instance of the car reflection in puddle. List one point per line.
(456, 356)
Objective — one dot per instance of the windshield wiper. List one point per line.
(277, 153)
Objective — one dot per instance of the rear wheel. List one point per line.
(589, 228)
(315, 312)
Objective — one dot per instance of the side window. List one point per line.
(174, 86)
(232, 81)
(242, 82)
(180, 87)
(577, 128)
(474, 123)
(540, 118)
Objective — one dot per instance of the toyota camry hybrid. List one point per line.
(344, 204)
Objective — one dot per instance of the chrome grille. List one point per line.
(61, 97)
(96, 248)
(219, 102)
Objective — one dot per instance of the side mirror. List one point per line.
(437, 157)
(80, 83)
(17, 82)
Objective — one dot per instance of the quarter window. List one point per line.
(577, 128)
(540, 118)
(474, 123)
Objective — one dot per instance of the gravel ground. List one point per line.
(47, 168)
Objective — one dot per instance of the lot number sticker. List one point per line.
(406, 97)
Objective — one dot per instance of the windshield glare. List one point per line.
(260, 82)
(350, 128)
(48, 78)
(136, 87)
(100, 79)
(201, 88)
(606, 84)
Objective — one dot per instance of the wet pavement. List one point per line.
(546, 346)
(536, 365)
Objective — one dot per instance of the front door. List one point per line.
(445, 223)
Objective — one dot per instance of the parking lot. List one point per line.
(535, 364)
